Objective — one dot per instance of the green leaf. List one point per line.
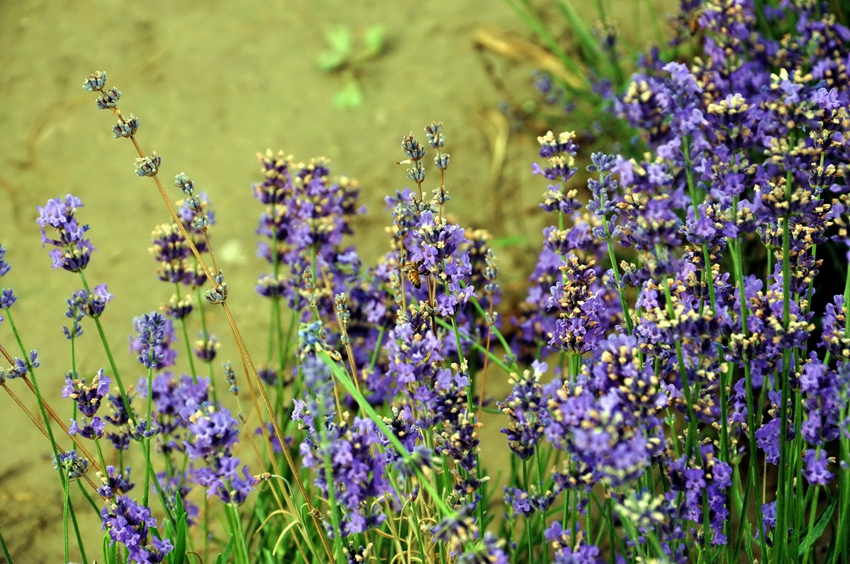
(820, 525)
(339, 39)
(179, 540)
(350, 96)
(223, 557)
(331, 61)
(375, 40)
(106, 559)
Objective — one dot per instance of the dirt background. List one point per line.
(213, 83)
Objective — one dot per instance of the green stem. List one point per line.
(331, 483)
(189, 354)
(206, 335)
(88, 498)
(783, 488)
(737, 262)
(493, 358)
(147, 440)
(66, 502)
(42, 410)
(237, 533)
(528, 524)
(843, 545)
(4, 548)
(73, 515)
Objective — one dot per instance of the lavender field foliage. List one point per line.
(679, 365)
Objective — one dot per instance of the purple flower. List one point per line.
(172, 253)
(73, 250)
(155, 334)
(768, 513)
(768, 440)
(583, 312)
(815, 470)
(833, 329)
(304, 212)
(213, 432)
(120, 418)
(72, 464)
(528, 503)
(91, 430)
(7, 298)
(129, 523)
(114, 483)
(212, 437)
(526, 411)
(20, 367)
(567, 552)
(357, 469)
(4, 266)
(206, 348)
(175, 401)
(81, 304)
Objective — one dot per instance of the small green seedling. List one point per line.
(343, 57)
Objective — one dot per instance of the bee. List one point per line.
(413, 274)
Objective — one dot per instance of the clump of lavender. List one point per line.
(681, 303)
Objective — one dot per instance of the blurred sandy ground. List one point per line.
(212, 83)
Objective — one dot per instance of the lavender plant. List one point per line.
(673, 398)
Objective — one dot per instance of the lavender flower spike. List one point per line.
(73, 250)
(129, 524)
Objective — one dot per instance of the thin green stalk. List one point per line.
(189, 354)
(616, 269)
(88, 498)
(812, 520)
(843, 544)
(690, 443)
(109, 356)
(100, 454)
(529, 536)
(202, 316)
(73, 516)
(329, 479)
(725, 378)
(493, 358)
(293, 322)
(237, 533)
(480, 310)
(66, 502)
(609, 512)
(589, 44)
(378, 346)
(4, 548)
(42, 409)
(158, 487)
(737, 262)
(783, 488)
(147, 440)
